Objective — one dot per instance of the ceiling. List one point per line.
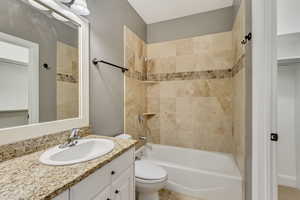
(153, 11)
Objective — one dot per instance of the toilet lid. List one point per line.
(148, 171)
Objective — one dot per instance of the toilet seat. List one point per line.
(150, 181)
(146, 172)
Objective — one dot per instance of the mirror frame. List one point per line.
(19, 133)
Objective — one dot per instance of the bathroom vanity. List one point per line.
(109, 177)
(114, 181)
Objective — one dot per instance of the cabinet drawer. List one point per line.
(92, 185)
(122, 163)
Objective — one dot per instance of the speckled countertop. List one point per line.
(25, 178)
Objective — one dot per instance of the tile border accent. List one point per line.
(136, 75)
(239, 65)
(14, 150)
(209, 74)
(66, 78)
(194, 75)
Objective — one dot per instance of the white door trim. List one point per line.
(264, 23)
(33, 71)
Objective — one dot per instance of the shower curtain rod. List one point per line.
(96, 61)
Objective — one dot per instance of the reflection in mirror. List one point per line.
(38, 64)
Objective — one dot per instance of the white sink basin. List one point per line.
(84, 150)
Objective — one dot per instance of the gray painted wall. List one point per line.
(216, 21)
(21, 20)
(236, 6)
(107, 20)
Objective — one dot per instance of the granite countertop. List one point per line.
(25, 178)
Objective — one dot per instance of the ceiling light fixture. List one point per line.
(78, 6)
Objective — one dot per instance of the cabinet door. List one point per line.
(104, 195)
(62, 196)
(89, 187)
(123, 187)
(121, 164)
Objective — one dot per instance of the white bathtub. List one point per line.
(208, 175)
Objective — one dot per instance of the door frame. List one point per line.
(264, 65)
(33, 71)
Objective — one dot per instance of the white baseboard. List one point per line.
(285, 180)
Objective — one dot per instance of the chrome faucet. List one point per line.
(72, 140)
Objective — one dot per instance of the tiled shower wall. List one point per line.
(193, 95)
(135, 91)
(196, 93)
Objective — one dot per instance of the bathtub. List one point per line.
(207, 175)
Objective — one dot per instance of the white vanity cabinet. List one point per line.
(114, 181)
(63, 196)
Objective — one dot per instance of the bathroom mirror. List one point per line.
(42, 58)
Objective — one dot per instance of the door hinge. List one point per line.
(274, 137)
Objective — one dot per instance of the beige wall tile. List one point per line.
(202, 44)
(167, 89)
(239, 111)
(168, 105)
(135, 52)
(184, 138)
(192, 88)
(162, 65)
(239, 88)
(184, 47)
(204, 61)
(184, 122)
(153, 91)
(238, 33)
(208, 52)
(161, 50)
(153, 105)
(186, 63)
(135, 105)
(154, 123)
(222, 90)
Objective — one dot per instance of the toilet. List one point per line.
(149, 179)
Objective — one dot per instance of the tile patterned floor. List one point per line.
(168, 195)
(287, 193)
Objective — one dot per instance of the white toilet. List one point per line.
(149, 179)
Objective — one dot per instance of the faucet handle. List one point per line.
(75, 133)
